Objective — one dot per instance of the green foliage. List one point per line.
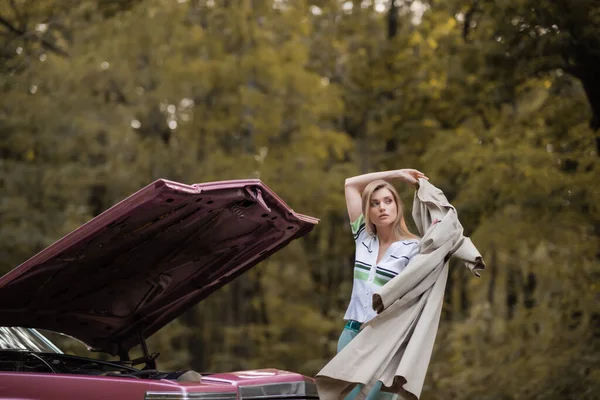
(100, 98)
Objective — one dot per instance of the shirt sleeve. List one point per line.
(409, 250)
(358, 227)
(413, 251)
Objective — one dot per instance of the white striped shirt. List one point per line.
(369, 275)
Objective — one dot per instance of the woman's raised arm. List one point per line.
(355, 185)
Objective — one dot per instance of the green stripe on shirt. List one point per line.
(380, 281)
(360, 275)
(362, 267)
(357, 224)
(387, 274)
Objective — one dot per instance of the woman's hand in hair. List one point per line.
(355, 185)
(410, 175)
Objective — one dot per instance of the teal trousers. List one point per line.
(375, 393)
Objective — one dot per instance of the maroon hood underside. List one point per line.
(139, 265)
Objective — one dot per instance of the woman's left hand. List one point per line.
(410, 175)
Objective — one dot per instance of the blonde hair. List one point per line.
(400, 228)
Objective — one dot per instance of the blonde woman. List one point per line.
(384, 247)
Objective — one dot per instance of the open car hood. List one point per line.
(139, 265)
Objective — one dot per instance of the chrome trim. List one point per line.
(25, 339)
(189, 396)
(209, 378)
(46, 340)
(282, 390)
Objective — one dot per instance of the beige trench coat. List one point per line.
(395, 347)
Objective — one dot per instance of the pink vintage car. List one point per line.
(121, 277)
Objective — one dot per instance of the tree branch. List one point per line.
(468, 17)
(15, 9)
(21, 33)
(10, 27)
(569, 69)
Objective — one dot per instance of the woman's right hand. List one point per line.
(410, 175)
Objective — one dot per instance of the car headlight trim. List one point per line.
(189, 396)
(281, 390)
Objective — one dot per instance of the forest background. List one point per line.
(498, 102)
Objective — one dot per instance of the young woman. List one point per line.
(384, 246)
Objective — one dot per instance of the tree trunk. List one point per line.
(591, 84)
(586, 69)
(393, 20)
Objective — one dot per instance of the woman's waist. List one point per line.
(353, 325)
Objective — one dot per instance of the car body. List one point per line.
(128, 272)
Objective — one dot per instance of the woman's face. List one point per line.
(383, 210)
